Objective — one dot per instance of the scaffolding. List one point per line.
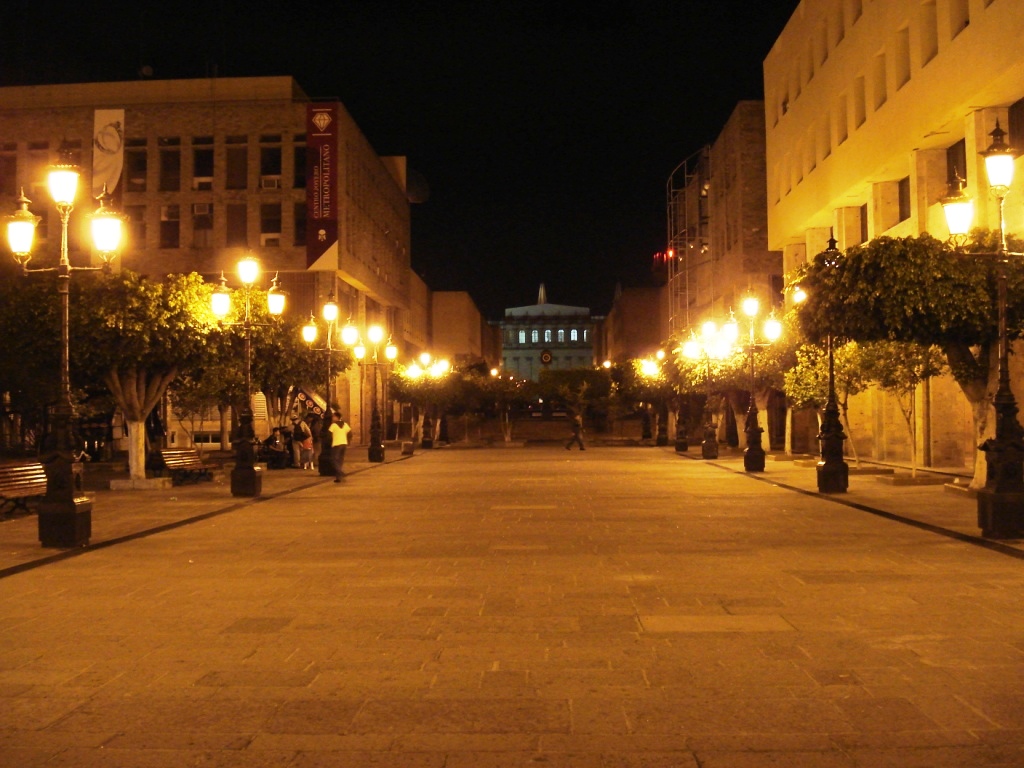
(689, 259)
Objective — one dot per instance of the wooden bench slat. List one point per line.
(19, 482)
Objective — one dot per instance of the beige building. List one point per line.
(871, 108)
(209, 170)
(543, 336)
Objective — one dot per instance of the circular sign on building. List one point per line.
(545, 357)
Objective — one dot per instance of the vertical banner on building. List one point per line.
(321, 186)
(107, 151)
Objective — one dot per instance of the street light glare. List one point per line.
(750, 306)
(248, 270)
(309, 331)
(62, 182)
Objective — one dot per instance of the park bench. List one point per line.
(19, 481)
(184, 465)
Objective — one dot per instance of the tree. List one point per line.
(806, 383)
(917, 289)
(137, 335)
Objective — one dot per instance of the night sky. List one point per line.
(545, 130)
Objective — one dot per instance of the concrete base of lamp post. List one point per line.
(682, 445)
(833, 476)
(246, 481)
(65, 513)
(753, 456)
(1001, 514)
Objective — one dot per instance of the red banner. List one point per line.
(321, 186)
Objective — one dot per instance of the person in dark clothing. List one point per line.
(577, 433)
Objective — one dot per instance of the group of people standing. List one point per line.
(297, 446)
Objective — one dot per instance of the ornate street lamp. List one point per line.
(833, 471)
(246, 477)
(714, 343)
(329, 312)
(1001, 501)
(65, 514)
(753, 456)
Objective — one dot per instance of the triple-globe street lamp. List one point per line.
(246, 477)
(435, 369)
(329, 313)
(351, 337)
(65, 513)
(754, 456)
(714, 343)
(1001, 501)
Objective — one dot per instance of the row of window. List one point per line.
(166, 160)
(202, 217)
(832, 129)
(549, 336)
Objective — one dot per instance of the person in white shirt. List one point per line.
(339, 442)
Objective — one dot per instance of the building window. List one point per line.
(8, 172)
(299, 158)
(881, 93)
(237, 159)
(586, 334)
(170, 164)
(956, 162)
(136, 225)
(237, 225)
(534, 336)
(959, 16)
(864, 223)
(903, 193)
(522, 337)
(300, 223)
(170, 226)
(270, 225)
(902, 57)
(202, 162)
(270, 162)
(136, 165)
(561, 336)
(842, 121)
(547, 335)
(202, 225)
(1015, 124)
(929, 26)
(859, 109)
(574, 335)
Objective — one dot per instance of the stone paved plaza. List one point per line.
(482, 608)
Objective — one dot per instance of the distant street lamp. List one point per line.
(246, 478)
(329, 312)
(714, 343)
(1001, 501)
(436, 369)
(65, 514)
(375, 335)
(753, 456)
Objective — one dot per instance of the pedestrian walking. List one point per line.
(577, 433)
(339, 442)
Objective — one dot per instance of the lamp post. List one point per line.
(329, 312)
(436, 369)
(714, 343)
(375, 335)
(1001, 501)
(833, 471)
(246, 477)
(65, 514)
(753, 456)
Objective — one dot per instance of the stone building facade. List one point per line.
(210, 170)
(871, 109)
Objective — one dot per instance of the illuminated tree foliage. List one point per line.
(919, 290)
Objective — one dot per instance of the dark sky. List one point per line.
(546, 130)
